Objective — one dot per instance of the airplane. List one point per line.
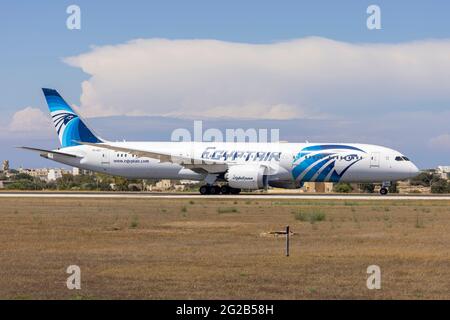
(224, 167)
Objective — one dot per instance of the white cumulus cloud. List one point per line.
(441, 142)
(303, 78)
(30, 119)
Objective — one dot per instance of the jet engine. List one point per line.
(247, 177)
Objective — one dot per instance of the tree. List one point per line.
(343, 188)
(367, 187)
(393, 187)
(423, 179)
(26, 184)
(121, 184)
(440, 186)
(22, 176)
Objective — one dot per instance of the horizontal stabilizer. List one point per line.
(50, 153)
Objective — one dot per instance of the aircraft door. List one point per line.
(104, 159)
(375, 160)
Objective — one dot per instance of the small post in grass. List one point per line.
(287, 241)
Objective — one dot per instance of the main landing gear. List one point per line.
(225, 189)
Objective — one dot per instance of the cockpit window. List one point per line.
(406, 158)
(398, 158)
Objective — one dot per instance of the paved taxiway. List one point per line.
(270, 196)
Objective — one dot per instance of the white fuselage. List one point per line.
(288, 162)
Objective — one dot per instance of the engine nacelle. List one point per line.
(247, 177)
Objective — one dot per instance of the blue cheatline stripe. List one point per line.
(311, 172)
(323, 175)
(303, 165)
(335, 177)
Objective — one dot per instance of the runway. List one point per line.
(265, 196)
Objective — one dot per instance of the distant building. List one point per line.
(5, 166)
(35, 173)
(179, 187)
(163, 185)
(187, 182)
(318, 187)
(75, 171)
(53, 174)
(443, 171)
(45, 174)
(406, 187)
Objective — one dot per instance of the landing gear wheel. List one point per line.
(235, 191)
(214, 190)
(384, 191)
(205, 190)
(225, 189)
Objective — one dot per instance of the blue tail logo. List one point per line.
(69, 126)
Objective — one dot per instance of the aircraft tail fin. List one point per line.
(70, 127)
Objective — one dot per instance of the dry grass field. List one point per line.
(208, 249)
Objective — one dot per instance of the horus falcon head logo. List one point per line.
(62, 119)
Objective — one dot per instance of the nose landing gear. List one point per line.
(384, 188)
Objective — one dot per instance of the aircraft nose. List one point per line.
(414, 170)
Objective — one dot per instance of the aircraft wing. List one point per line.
(50, 153)
(163, 157)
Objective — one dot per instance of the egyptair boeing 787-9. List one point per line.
(225, 167)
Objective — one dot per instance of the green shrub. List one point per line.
(312, 217)
(440, 186)
(227, 210)
(343, 188)
(134, 223)
(367, 187)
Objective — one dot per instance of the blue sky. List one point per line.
(35, 41)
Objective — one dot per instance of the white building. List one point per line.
(187, 182)
(163, 185)
(443, 171)
(41, 173)
(5, 165)
(56, 173)
(75, 171)
(53, 174)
